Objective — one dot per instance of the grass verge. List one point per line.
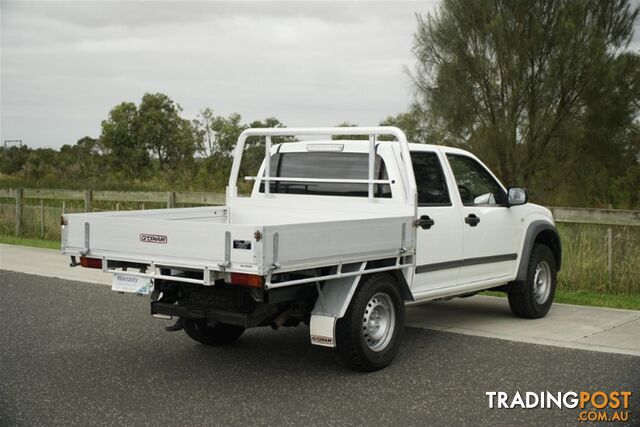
(36, 243)
(594, 299)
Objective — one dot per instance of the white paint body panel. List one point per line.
(198, 241)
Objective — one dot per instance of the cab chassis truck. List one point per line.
(337, 234)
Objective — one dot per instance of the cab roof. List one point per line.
(356, 146)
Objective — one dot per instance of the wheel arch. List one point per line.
(337, 293)
(539, 232)
(403, 285)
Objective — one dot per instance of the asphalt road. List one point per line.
(74, 353)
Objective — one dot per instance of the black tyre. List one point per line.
(369, 335)
(219, 334)
(540, 286)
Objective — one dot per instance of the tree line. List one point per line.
(141, 146)
(547, 93)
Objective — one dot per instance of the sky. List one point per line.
(64, 65)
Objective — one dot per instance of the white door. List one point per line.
(491, 230)
(439, 238)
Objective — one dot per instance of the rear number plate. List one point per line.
(123, 282)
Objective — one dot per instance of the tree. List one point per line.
(218, 134)
(41, 166)
(81, 161)
(600, 149)
(13, 159)
(508, 77)
(254, 149)
(204, 125)
(227, 132)
(412, 123)
(132, 136)
(125, 152)
(159, 127)
(269, 122)
(348, 137)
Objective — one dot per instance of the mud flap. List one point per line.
(322, 330)
(332, 303)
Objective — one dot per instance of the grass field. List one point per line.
(43, 222)
(584, 265)
(35, 243)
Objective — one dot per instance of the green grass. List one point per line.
(631, 302)
(36, 243)
(584, 259)
(33, 214)
(594, 299)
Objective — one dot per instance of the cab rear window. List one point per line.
(326, 166)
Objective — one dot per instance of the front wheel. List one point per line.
(540, 286)
(369, 334)
(218, 334)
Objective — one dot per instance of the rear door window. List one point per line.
(432, 186)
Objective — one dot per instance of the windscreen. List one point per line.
(325, 165)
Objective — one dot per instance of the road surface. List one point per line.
(75, 353)
(570, 326)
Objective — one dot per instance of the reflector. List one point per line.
(90, 262)
(250, 280)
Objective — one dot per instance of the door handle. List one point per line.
(472, 220)
(425, 222)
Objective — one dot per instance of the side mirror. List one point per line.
(517, 196)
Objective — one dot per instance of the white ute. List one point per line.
(337, 234)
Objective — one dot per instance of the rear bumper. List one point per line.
(247, 320)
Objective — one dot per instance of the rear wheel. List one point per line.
(540, 286)
(218, 334)
(369, 334)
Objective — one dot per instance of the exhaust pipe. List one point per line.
(162, 316)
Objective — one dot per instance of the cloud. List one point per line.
(66, 64)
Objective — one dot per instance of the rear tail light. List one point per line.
(250, 280)
(90, 262)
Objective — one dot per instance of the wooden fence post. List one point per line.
(18, 211)
(87, 200)
(41, 219)
(171, 200)
(610, 256)
(64, 206)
